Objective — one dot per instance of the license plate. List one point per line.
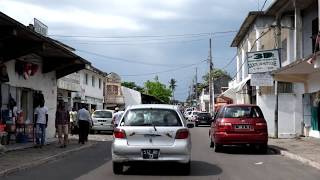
(242, 127)
(150, 153)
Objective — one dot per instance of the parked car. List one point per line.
(239, 125)
(203, 118)
(102, 120)
(193, 116)
(151, 133)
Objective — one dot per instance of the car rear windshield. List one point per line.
(242, 112)
(151, 117)
(204, 114)
(102, 114)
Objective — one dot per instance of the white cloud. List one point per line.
(72, 16)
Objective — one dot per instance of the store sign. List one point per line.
(40, 28)
(261, 79)
(263, 61)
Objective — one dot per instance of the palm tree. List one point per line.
(172, 86)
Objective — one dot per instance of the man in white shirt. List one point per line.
(84, 121)
(116, 117)
(41, 123)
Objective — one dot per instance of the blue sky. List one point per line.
(127, 19)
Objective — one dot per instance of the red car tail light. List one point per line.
(119, 134)
(182, 134)
(223, 126)
(261, 124)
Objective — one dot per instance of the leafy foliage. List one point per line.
(157, 89)
(132, 85)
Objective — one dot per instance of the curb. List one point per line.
(295, 157)
(44, 160)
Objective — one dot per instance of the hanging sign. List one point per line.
(261, 79)
(263, 61)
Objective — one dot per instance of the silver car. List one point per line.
(151, 133)
(102, 120)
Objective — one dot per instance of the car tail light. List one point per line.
(261, 124)
(119, 134)
(182, 134)
(223, 126)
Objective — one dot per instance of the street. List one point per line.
(234, 163)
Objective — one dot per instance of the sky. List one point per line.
(139, 39)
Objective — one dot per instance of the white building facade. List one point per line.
(298, 81)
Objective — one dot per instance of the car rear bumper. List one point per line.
(102, 128)
(233, 138)
(179, 152)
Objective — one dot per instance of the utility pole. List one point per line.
(196, 78)
(276, 109)
(210, 79)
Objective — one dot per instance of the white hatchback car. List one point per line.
(151, 133)
(102, 120)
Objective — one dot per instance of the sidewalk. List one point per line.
(305, 150)
(22, 158)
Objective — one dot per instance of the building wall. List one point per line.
(290, 113)
(92, 92)
(47, 83)
(131, 97)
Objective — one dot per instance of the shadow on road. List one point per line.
(198, 168)
(244, 150)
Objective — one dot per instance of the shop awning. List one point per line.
(297, 71)
(17, 40)
(232, 91)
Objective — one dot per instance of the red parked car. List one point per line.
(239, 125)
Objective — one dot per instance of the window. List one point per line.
(284, 50)
(242, 112)
(285, 87)
(315, 27)
(151, 117)
(115, 90)
(86, 79)
(109, 89)
(99, 83)
(93, 81)
(102, 114)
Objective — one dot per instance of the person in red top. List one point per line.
(62, 124)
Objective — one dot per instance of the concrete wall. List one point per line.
(47, 83)
(314, 82)
(290, 115)
(131, 97)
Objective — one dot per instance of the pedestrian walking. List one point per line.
(62, 124)
(41, 123)
(116, 117)
(84, 121)
(74, 121)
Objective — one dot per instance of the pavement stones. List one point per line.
(305, 150)
(21, 159)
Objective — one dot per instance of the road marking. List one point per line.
(258, 163)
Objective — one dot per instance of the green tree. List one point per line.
(158, 90)
(220, 79)
(172, 86)
(132, 85)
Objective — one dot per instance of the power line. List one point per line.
(129, 61)
(169, 70)
(263, 5)
(143, 36)
(150, 42)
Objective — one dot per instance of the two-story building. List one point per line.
(113, 94)
(292, 27)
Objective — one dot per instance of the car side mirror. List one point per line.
(190, 125)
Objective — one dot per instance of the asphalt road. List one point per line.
(234, 163)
